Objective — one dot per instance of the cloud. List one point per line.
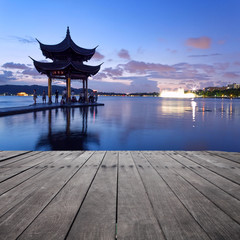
(13, 65)
(6, 76)
(201, 42)
(123, 53)
(231, 75)
(237, 63)
(31, 71)
(143, 67)
(206, 55)
(113, 72)
(98, 56)
(173, 51)
(221, 66)
(24, 40)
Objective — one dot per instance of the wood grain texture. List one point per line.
(16, 168)
(8, 161)
(231, 171)
(136, 195)
(136, 218)
(220, 198)
(59, 214)
(4, 155)
(221, 226)
(226, 185)
(231, 156)
(38, 194)
(173, 217)
(96, 218)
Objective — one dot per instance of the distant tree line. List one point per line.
(154, 94)
(14, 89)
(220, 93)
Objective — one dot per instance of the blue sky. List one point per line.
(145, 45)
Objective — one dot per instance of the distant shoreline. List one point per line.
(131, 95)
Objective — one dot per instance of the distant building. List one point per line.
(211, 89)
(233, 86)
(22, 94)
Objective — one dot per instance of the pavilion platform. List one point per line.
(42, 107)
(119, 195)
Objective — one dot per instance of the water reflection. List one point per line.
(230, 109)
(68, 138)
(128, 124)
(194, 105)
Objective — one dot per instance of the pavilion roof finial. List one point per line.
(68, 32)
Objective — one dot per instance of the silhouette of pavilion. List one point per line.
(67, 64)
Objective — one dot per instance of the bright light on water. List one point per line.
(176, 94)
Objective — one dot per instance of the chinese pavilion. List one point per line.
(67, 64)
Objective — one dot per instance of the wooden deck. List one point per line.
(123, 195)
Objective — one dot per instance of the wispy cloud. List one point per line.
(6, 76)
(13, 65)
(31, 72)
(237, 63)
(231, 75)
(123, 53)
(98, 56)
(25, 40)
(206, 55)
(173, 51)
(201, 42)
(143, 67)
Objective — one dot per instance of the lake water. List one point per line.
(125, 123)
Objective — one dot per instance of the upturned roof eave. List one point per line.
(47, 67)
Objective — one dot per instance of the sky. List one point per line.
(145, 46)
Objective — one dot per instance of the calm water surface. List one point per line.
(125, 123)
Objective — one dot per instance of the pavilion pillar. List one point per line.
(49, 90)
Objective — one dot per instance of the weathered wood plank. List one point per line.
(221, 226)
(223, 200)
(175, 220)
(8, 161)
(22, 191)
(136, 218)
(96, 218)
(226, 185)
(18, 179)
(231, 156)
(12, 223)
(230, 171)
(220, 162)
(62, 209)
(23, 161)
(18, 167)
(161, 195)
(4, 155)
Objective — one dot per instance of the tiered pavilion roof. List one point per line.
(67, 63)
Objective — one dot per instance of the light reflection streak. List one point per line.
(194, 105)
(230, 110)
